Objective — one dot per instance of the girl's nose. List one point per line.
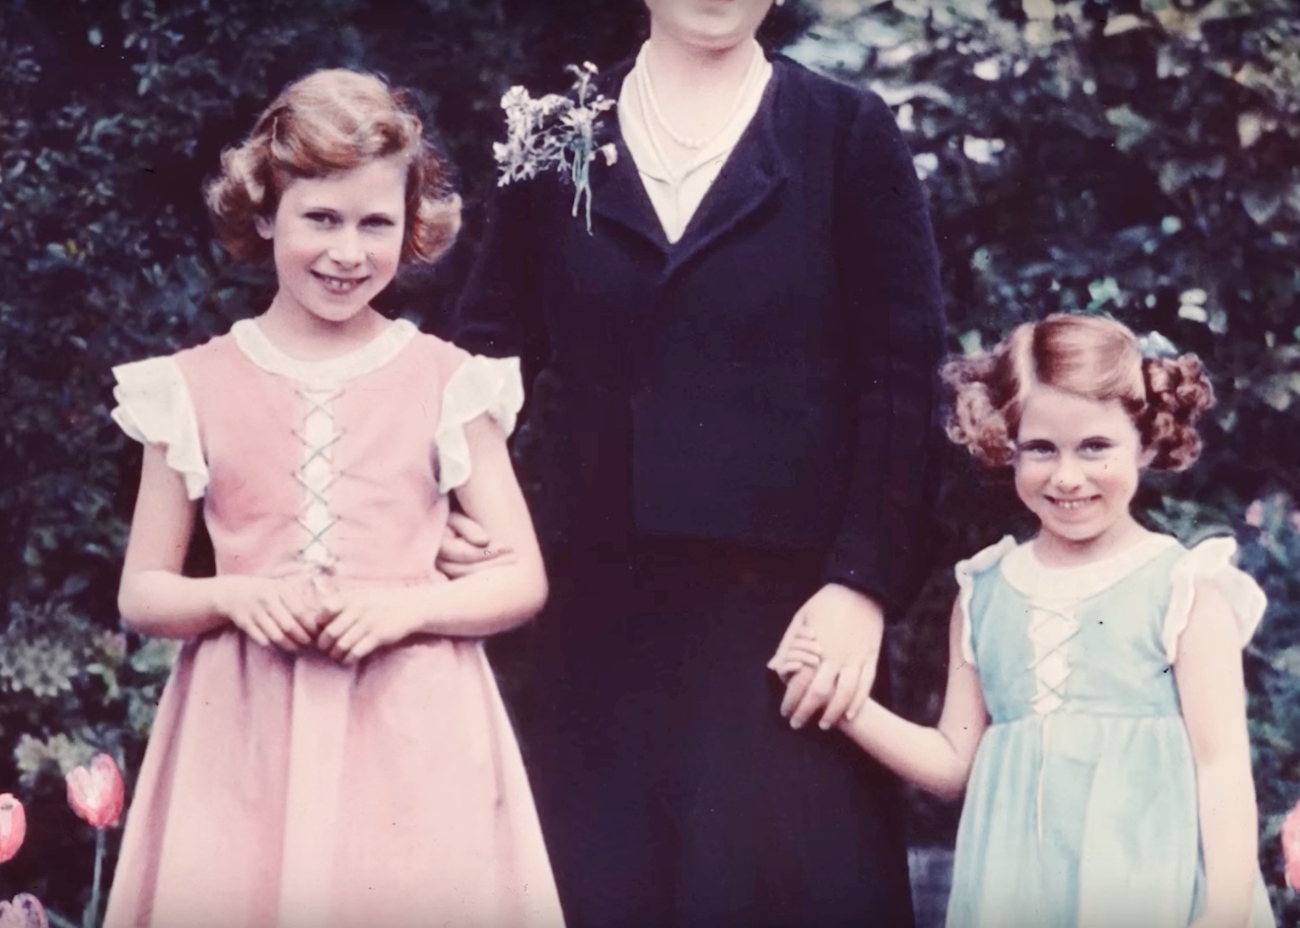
(345, 249)
(1067, 475)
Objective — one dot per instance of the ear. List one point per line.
(1146, 457)
(265, 226)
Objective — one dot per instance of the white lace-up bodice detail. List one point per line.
(1051, 628)
(316, 473)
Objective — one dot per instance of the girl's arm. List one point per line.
(937, 759)
(155, 599)
(475, 605)
(1213, 695)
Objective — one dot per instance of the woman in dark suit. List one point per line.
(735, 436)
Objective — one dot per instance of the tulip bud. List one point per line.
(97, 793)
(25, 911)
(13, 826)
(1291, 847)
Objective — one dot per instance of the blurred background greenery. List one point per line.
(1133, 157)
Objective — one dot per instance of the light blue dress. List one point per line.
(1081, 811)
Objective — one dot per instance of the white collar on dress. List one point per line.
(1024, 571)
(371, 356)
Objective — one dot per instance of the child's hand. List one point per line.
(848, 626)
(275, 611)
(361, 619)
(466, 548)
(799, 650)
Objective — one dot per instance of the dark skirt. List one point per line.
(671, 791)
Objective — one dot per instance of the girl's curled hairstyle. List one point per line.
(1096, 358)
(330, 121)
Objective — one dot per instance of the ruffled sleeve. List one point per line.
(965, 572)
(1211, 560)
(154, 406)
(480, 385)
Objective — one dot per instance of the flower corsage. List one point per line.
(554, 132)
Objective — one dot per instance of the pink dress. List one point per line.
(282, 790)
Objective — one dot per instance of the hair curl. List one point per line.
(330, 121)
(1089, 356)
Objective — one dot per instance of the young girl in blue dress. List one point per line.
(1095, 713)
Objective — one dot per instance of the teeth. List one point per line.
(1070, 503)
(339, 284)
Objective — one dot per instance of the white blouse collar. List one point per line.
(1024, 571)
(371, 356)
(636, 133)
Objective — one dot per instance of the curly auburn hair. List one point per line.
(1091, 357)
(329, 121)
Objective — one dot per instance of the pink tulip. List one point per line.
(97, 793)
(13, 826)
(1291, 847)
(25, 911)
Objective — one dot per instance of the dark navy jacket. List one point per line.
(767, 380)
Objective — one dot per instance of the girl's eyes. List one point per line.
(1042, 449)
(322, 217)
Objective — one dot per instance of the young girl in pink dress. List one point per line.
(331, 749)
(1095, 714)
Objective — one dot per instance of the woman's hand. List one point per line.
(272, 611)
(466, 548)
(362, 619)
(848, 628)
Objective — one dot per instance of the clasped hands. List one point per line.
(294, 614)
(828, 656)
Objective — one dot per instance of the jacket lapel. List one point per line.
(754, 172)
(617, 193)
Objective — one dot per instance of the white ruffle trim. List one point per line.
(965, 572)
(154, 406)
(1211, 560)
(480, 385)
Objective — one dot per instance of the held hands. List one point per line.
(273, 611)
(828, 656)
(362, 619)
(292, 614)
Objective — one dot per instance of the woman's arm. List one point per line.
(887, 270)
(475, 605)
(1213, 695)
(937, 759)
(155, 599)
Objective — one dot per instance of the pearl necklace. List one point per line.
(646, 94)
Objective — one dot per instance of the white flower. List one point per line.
(555, 132)
(981, 151)
(987, 70)
(926, 163)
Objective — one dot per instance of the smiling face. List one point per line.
(707, 24)
(1077, 464)
(337, 241)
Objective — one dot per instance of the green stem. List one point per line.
(92, 910)
(59, 921)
